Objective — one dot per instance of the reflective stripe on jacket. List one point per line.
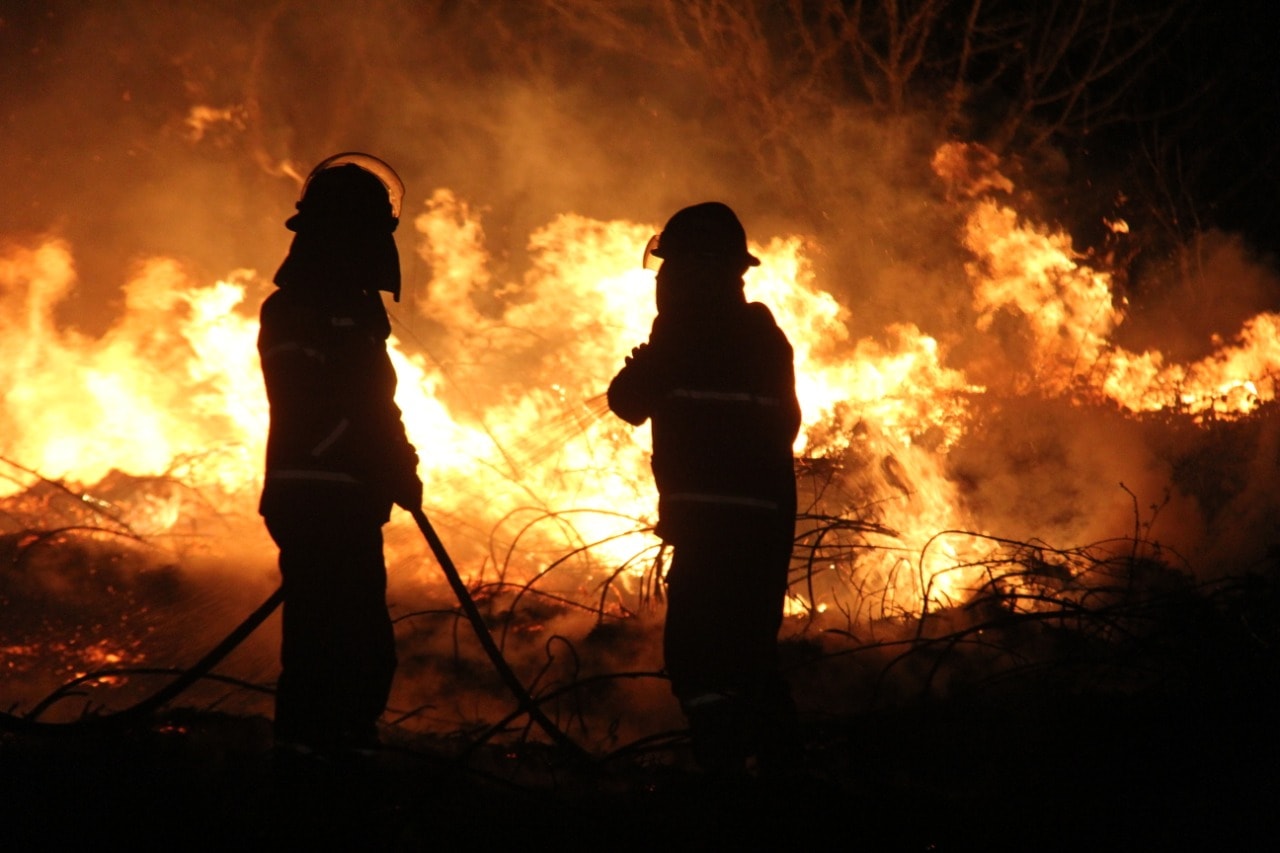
(722, 399)
(331, 388)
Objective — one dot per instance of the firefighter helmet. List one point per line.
(710, 231)
(349, 189)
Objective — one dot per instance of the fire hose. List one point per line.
(526, 703)
(513, 683)
(161, 697)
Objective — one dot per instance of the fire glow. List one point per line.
(521, 462)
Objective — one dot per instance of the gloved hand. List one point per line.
(408, 494)
(636, 352)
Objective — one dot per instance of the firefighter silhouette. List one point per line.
(717, 380)
(337, 454)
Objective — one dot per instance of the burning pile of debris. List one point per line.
(1092, 675)
(933, 473)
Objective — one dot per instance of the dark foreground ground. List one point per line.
(1011, 772)
(1125, 718)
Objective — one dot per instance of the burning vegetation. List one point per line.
(1037, 463)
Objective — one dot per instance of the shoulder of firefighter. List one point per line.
(331, 390)
(725, 416)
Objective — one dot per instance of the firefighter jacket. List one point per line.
(335, 428)
(720, 391)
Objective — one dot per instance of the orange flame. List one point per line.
(500, 385)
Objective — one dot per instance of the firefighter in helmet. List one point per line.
(337, 454)
(716, 378)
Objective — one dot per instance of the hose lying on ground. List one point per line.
(134, 713)
(517, 688)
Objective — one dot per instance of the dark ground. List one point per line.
(1024, 765)
(1137, 712)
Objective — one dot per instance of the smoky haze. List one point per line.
(144, 128)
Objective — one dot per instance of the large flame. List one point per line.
(501, 382)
